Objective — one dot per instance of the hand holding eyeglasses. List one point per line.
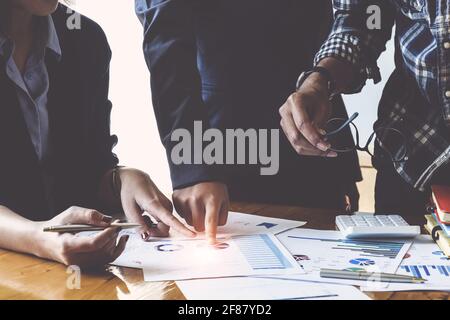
(304, 116)
(305, 121)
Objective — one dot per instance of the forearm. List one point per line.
(352, 49)
(19, 234)
(171, 56)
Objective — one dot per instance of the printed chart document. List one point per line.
(316, 249)
(252, 288)
(246, 255)
(241, 223)
(424, 260)
(238, 223)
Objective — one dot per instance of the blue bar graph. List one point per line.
(261, 253)
(365, 248)
(424, 271)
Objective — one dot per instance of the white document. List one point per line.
(131, 257)
(247, 255)
(316, 249)
(259, 288)
(424, 260)
(242, 223)
(238, 223)
(135, 249)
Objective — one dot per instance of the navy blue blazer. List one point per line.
(232, 64)
(79, 117)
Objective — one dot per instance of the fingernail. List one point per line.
(322, 132)
(332, 154)
(322, 146)
(144, 236)
(107, 219)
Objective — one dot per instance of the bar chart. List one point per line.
(261, 253)
(427, 271)
(316, 249)
(364, 248)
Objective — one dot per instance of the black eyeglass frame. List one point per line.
(365, 148)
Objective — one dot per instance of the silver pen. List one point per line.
(371, 276)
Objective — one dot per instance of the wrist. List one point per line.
(318, 83)
(318, 79)
(38, 240)
(341, 71)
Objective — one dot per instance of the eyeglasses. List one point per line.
(391, 140)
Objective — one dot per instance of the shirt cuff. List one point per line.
(347, 48)
(186, 175)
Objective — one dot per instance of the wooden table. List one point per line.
(26, 277)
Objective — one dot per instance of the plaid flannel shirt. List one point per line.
(416, 99)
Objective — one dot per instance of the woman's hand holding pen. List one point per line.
(98, 250)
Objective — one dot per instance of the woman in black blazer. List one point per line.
(56, 160)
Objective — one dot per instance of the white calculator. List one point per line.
(375, 226)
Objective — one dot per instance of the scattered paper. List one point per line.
(261, 288)
(259, 254)
(242, 223)
(238, 223)
(316, 249)
(423, 260)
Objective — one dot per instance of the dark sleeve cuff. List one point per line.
(186, 175)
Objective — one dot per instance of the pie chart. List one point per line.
(169, 247)
(301, 257)
(220, 246)
(216, 246)
(441, 254)
(362, 262)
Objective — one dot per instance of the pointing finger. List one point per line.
(211, 221)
